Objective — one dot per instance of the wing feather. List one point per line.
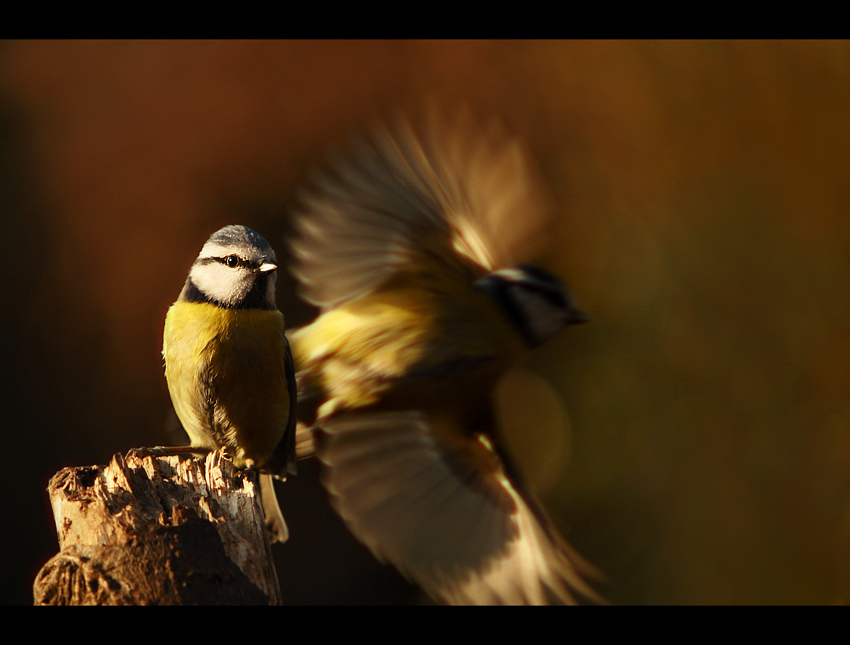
(463, 540)
(451, 188)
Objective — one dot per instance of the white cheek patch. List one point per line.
(542, 318)
(221, 283)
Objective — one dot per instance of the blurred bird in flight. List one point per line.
(410, 246)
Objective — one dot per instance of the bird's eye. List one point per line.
(231, 261)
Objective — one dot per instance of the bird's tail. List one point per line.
(275, 524)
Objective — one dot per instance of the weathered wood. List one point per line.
(167, 530)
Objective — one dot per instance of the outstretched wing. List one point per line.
(453, 190)
(444, 512)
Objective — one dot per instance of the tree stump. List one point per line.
(167, 530)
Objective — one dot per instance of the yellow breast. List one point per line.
(227, 377)
(408, 346)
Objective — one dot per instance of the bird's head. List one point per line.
(536, 300)
(236, 269)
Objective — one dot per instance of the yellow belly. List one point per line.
(227, 377)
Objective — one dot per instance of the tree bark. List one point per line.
(167, 530)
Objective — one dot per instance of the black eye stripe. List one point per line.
(234, 261)
(231, 260)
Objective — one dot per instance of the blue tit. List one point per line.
(409, 247)
(228, 363)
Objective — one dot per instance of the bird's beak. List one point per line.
(265, 267)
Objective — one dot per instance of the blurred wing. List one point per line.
(452, 189)
(445, 515)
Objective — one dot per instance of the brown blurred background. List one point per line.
(703, 195)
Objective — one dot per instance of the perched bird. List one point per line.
(228, 363)
(408, 247)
